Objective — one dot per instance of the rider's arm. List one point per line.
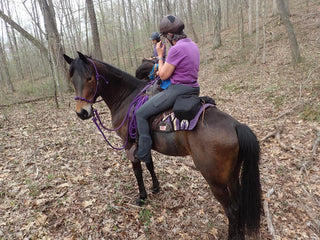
(165, 69)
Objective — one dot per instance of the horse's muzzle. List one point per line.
(84, 114)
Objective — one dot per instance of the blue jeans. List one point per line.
(156, 104)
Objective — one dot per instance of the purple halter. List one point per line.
(137, 102)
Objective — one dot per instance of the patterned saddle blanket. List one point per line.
(168, 122)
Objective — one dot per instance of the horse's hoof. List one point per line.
(140, 202)
(155, 190)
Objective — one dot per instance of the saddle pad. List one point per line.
(168, 122)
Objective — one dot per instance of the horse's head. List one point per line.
(82, 74)
(144, 69)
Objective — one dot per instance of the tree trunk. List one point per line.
(128, 39)
(257, 27)
(114, 34)
(294, 46)
(274, 8)
(217, 24)
(264, 17)
(94, 30)
(14, 47)
(132, 32)
(54, 43)
(240, 25)
(5, 70)
(250, 25)
(121, 34)
(195, 36)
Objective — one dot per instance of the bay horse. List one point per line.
(225, 151)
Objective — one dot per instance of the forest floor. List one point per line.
(59, 180)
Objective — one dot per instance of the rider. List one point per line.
(181, 66)
(155, 38)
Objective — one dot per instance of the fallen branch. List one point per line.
(267, 213)
(282, 145)
(316, 144)
(26, 101)
(289, 111)
(278, 130)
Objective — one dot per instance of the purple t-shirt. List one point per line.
(185, 56)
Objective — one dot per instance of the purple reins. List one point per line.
(136, 103)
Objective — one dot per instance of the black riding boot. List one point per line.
(144, 149)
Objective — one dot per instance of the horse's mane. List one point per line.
(79, 65)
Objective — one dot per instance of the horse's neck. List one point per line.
(119, 92)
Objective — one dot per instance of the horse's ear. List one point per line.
(83, 57)
(68, 59)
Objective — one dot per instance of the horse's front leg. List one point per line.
(155, 183)
(142, 191)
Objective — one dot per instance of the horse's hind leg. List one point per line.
(236, 227)
(155, 183)
(142, 191)
(231, 209)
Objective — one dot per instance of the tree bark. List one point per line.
(195, 36)
(217, 24)
(128, 39)
(132, 32)
(294, 46)
(53, 37)
(250, 25)
(257, 27)
(241, 27)
(14, 47)
(274, 8)
(5, 70)
(94, 30)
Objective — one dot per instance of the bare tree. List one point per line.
(294, 46)
(217, 24)
(195, 36)
(14, 46)
(132, 31)
(94, 30)
(257, 26)
(24, 33)
(5, 70)
(240, 23)
(264, 16)
(250, 27)
(55, 48)
(274, 8)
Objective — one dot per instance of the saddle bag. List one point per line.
(186, 107)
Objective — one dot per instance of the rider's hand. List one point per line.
(160, 49)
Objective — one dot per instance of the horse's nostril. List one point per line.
(83, 114)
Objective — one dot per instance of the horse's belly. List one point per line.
(171, 144)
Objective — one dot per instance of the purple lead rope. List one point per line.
(137, 102)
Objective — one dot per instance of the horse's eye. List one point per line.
(89, 79)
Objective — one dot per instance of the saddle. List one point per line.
(183, 116)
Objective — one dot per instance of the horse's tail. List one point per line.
(250, 194)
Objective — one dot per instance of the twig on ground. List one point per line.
(268, 215)
(282, 145)
(289, 111)
(316, 144)
(278, 130)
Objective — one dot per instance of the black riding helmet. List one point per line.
(171, 24)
